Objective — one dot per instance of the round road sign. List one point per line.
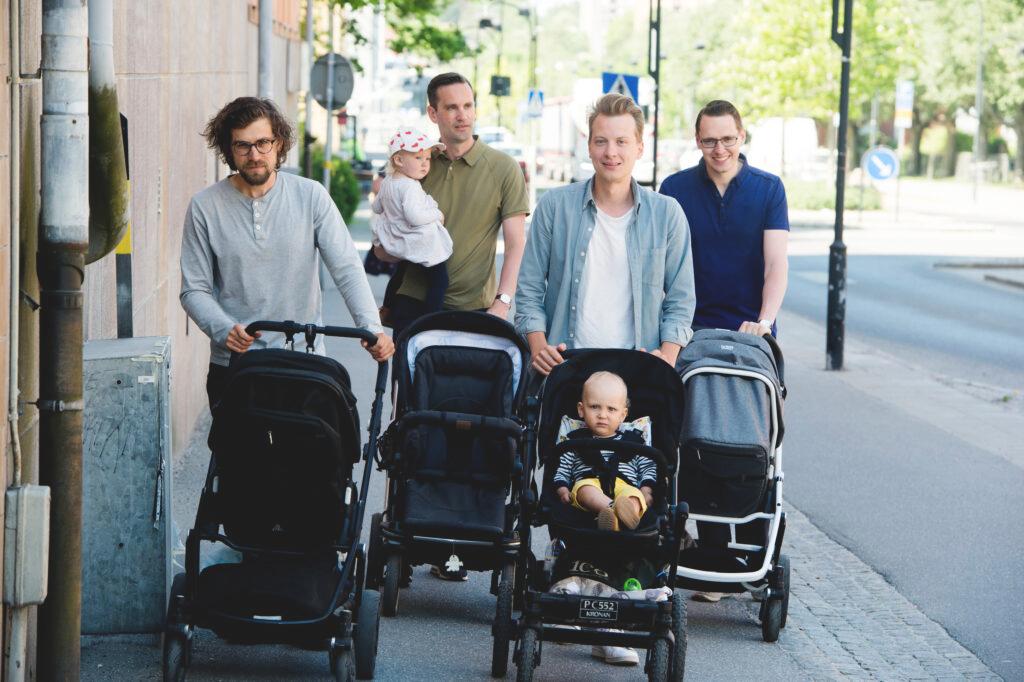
(881, 163)
(343, 81)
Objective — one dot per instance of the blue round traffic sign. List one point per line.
(881, 163)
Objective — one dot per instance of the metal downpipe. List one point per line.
(64, 240)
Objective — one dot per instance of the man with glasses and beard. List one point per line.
(739, 223)
(250, 244)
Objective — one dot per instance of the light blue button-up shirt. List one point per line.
(660, 267)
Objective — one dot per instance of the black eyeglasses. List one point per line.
(727, 141)
(262, 146)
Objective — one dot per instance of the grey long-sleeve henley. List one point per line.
(245, 259)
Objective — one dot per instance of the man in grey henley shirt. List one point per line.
(249, 249)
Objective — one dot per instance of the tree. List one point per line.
(416, 26)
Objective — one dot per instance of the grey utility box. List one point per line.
(126, 508)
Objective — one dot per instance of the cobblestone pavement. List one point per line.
(846, 621)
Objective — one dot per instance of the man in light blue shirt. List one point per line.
(607, 263)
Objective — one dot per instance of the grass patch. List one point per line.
(805, 195)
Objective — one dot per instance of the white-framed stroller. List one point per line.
(731, 472)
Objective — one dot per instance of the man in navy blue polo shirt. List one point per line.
(739, 230)
(739, 227)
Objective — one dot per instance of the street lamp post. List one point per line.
(836, 317)
(654, 69)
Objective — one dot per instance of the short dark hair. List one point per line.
(719, 107)
(240, 113)
(441, 80)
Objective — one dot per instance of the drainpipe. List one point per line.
(64, 239)
(108, 178)
(265, 35)
(17, 663)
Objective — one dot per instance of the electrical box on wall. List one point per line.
(126, 504)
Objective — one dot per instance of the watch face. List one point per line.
(504, 298)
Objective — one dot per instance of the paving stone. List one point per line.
(846, 622)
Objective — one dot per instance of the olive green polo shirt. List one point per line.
(475, 193)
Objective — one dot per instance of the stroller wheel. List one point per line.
(177, 650)
(366, 633)
(657, 664)
(528, 656)
(502, 628)
(784, 567)
(678, 668)
(375, 553)
(392, 580)
(343, 666)
(771, 619)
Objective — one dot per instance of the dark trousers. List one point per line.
(216, 383)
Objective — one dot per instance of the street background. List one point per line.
(904, 472)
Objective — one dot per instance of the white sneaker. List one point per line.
(616, 655)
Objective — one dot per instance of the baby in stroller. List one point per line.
(603, 407)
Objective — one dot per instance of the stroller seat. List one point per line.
(457, 478)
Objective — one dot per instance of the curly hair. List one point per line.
(240, 113)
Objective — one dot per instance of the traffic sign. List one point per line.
(621, 83)
(535, 104)
(881, 163)
(501, 86)
(904, 115)
(343, 81)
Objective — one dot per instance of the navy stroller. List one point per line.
(280, 491)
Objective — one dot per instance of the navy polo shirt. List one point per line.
(727, 237)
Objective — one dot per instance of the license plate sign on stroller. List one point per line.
(604, 610)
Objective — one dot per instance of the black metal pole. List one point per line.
(654, 69)
(123, 261)
(836, 316)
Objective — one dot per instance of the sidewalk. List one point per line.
(845, 619)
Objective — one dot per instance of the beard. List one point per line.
(256, 174)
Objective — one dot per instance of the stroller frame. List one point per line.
(394, 546)
(773, 571)
(659, 627)
(348, 628)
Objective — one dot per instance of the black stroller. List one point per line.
(455, 460)
(731, 469)
(655, 391)
(279, 490)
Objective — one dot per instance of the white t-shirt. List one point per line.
(605, 315)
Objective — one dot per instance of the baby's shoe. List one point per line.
(607, 520)
(627, 512)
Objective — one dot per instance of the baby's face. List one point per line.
(415, 165)
(603, 408)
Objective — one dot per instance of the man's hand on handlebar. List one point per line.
(382, 350)
(238, 341)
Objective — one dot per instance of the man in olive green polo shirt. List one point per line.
(479, 190)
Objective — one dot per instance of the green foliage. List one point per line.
(963, 142)
(344, 185)
(822, 195)
(416, 26)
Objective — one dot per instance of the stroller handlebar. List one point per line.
(290, 328)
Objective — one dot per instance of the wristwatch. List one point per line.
(504, 298)
(766, 323)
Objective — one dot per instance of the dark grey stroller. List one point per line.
(731, 469)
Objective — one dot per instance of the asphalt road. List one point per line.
(946, 320)
(935, 514)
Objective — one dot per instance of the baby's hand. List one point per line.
(648, 494)
(563, 495)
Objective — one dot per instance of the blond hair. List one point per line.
(614, 104)
(610, 377)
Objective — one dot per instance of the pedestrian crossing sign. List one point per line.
(622, 84)
(535, 104)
